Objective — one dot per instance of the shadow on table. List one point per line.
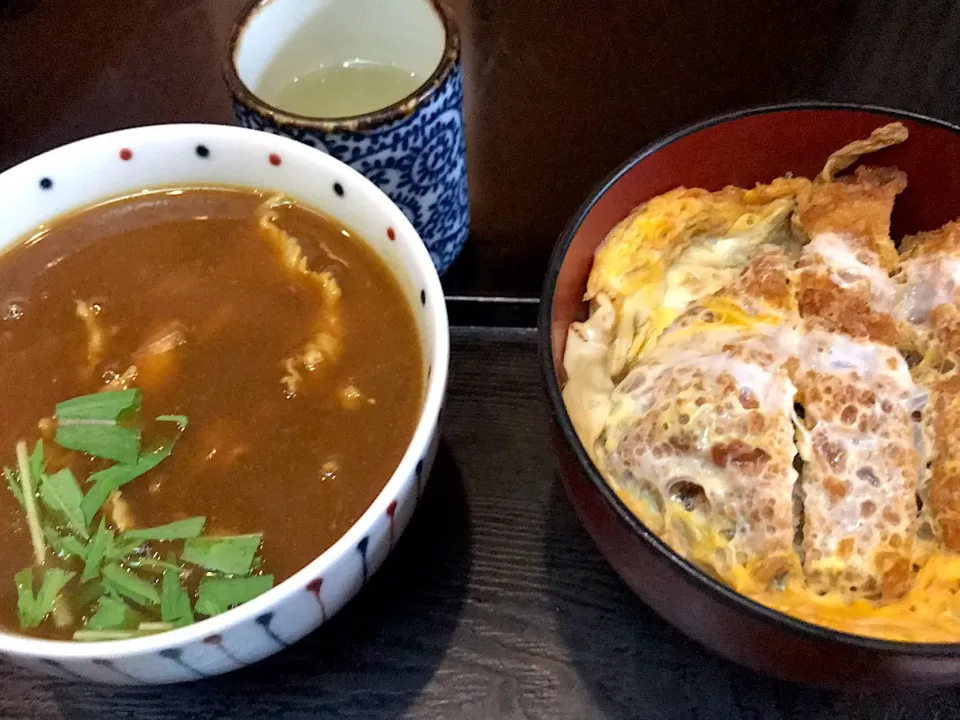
(634, 665)
(370, 661)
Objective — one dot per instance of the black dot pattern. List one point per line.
(203, 151)
(338, 189)
(46, 183)
(423, 297)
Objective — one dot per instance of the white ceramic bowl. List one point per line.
(130, 161)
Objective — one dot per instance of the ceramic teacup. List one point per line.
(413, 149)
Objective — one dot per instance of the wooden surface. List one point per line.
(558, 92)
(494, 605)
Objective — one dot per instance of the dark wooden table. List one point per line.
(495, 604)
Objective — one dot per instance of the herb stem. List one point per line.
(30, 504)
(154, 626)
(62, 617)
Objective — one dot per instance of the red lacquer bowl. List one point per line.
(740, 149)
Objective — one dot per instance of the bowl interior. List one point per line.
(168, 156)
(129, 161)
(742, 149)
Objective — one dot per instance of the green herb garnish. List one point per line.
(35, 465)
(28, 489)
(174, 601)
(141, 630)
(61, 494)
(151, 564)
(217, 595)
(116, 476)
(90, 424)
(232, 555)
(13, 480)
(64, 545)
(33, 608)
(122, 589)
(96, 552)
(112, 614)
(72, 546)
(36, 462)
(90, 593)
(176, 530)
(118, 548)
(104, 406)
(152, 627)
(105, 635)
(112, 442)
(125, 583)
(180, 420)
(52, 537)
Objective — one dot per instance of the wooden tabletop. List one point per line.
(558, 92)
(495, 605)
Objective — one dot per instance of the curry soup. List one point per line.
(173, 357)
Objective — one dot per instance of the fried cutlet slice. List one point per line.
(860, 472)
(702, 428)
(844, 280)
(928, 310)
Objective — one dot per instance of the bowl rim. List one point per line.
(364, 122)
(427, 425)
(689, 572)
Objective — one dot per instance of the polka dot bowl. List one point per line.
(130, 161)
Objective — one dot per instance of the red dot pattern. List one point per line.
(391, 234)
(126, 154)
(275, 159)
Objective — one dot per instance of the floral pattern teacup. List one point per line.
(414, 149)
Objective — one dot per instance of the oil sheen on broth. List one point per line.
(190, 272)
(350, 88)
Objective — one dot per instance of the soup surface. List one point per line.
(290, 390)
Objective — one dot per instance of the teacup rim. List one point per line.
(354, 123)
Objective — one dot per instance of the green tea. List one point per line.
(352, 88)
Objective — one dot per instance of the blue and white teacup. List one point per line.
(414, 148)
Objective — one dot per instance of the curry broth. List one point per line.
(253, 459)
